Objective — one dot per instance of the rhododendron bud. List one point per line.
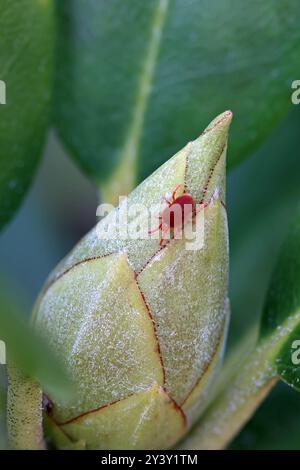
(141, 324)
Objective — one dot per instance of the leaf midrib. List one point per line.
(124, 175)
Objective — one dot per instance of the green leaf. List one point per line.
(26, 67)
(282, 309)
(124, 105)
(27, 349)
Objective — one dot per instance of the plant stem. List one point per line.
(24, 412)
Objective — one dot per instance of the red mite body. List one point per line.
(185, 206)
(179, 210)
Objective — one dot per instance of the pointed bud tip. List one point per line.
(206, 168)
(222, 120)
(216, 131)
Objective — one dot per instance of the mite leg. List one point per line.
(175, 191)
(167, 201)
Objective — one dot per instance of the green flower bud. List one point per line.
(141, 326)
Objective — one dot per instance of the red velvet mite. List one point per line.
(168, 220)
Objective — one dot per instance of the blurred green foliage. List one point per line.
(283, 304)
(135, 83)
(263, 196)
(26, 67)
(29, 350)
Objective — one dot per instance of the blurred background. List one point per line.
(263, 185)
